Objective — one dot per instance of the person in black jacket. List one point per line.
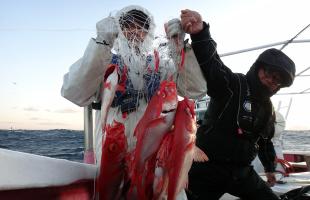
(239, 122)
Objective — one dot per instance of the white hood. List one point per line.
(123, 11)
(135, 60)
(146, 46)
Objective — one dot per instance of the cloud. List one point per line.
(66, 110)
(52, 124)
(31, 109)
(5, 122)
(35, 118)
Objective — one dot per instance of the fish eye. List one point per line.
(112, 147)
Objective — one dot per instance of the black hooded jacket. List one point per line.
(239, 122)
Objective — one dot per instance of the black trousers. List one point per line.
(209, 181)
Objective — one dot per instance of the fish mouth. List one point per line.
(169, 108)
(168, 111)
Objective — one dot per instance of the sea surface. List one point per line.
(69, 144)
(59, 143)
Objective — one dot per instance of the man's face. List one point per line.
(271, 79)
(135, 33)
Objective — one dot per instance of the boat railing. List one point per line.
(88, 137)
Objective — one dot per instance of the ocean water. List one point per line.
(296, 140)
(59, 143)
(69, 144)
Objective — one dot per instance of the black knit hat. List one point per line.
(276, 60)
(135, 16)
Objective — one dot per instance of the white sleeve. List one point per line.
(85, 75)
(190, 81)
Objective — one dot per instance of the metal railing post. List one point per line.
(88, 135)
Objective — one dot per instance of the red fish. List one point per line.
(183, 149)
(160, 183)
(110, 83)
(150, 130)
(112, 169)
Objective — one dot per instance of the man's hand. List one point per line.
(271, 178)
(173, 28)
(107, 31)
(175, 34)
(191, 21)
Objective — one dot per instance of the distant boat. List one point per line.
(15, 130)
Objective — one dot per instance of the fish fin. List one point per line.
(199, 155)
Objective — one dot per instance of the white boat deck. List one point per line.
(24, 170)
(295, 180)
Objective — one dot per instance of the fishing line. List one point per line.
(47, 29)
(262, 47)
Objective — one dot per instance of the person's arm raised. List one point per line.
(217, 75)
(82, 81)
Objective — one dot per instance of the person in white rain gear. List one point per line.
(126, 40)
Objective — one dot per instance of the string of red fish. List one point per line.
(164, 152)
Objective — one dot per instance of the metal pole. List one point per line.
(291, 40)
(88, 137)
(262, 47)
(289, 107)
(279, 106)
(299, 74)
